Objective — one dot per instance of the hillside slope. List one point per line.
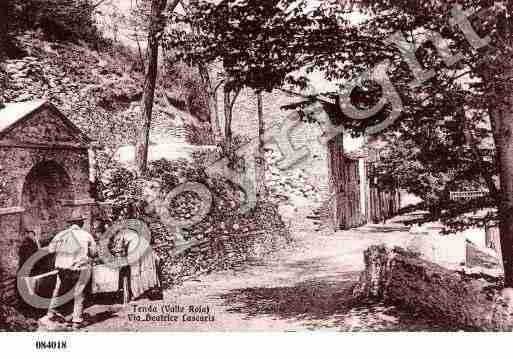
(98, 90)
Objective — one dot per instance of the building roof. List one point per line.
(14, 113)
(11, 113)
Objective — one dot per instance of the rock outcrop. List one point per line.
(402, 278)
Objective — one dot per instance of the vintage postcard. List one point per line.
(256, 166)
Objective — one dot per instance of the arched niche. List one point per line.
(46, 190)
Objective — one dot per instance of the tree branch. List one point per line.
(446, 84)
(97, 4)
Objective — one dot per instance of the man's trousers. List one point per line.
(73, 282)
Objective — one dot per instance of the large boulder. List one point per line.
(465, 301)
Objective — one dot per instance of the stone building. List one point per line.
(339, 171)
(44, 176)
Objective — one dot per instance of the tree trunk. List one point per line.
(261, 128)
(218, 136)
(227, 121)
(502, 119)
(212, 103)
(260, 161)
(156, 27)
(5, 28)
(230, 95)
(214, 119)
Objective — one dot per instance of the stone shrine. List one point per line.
(44, 178)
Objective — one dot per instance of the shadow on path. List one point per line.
(325, 303)
(101, 317)
(308, 300)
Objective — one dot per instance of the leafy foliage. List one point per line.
(173, 173)
(123, 190)
(259, 43)
(443, 140)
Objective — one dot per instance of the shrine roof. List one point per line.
(13, 113)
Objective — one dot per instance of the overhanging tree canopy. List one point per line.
(259, 43)
(443, 137)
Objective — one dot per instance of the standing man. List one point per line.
(74, 250)
(28, 247)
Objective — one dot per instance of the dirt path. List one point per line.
(305, 287)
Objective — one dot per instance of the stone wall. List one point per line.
(463, 301)
(17, 161)
(225, 252)
(45, 177)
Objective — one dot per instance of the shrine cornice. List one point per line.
(44, 145)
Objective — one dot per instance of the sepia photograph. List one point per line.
(255, 166)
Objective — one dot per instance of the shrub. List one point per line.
(173, 173)
(123, 189)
